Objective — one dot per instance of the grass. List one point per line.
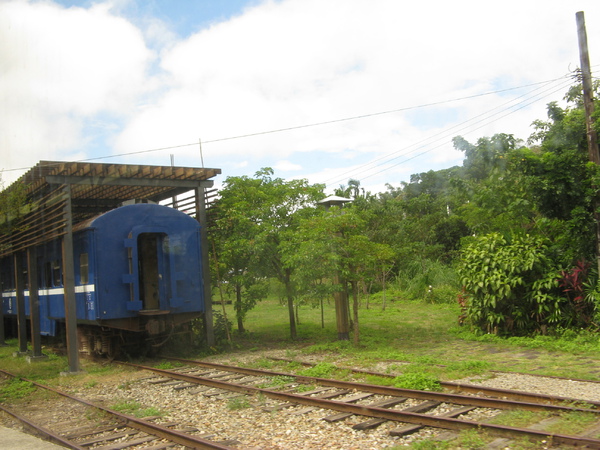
(237, 403)
(420, 342)
(572, 423)
(417, 380)
(520, 419)
(321, 370)
(136, 409)
(15, 389)
(417, 336)
(49, 371)
(276, 382)
(421, 334)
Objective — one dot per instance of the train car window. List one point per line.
(40, 273)
(56, 273)
(83, 268)
(47, 274)
(7, 278)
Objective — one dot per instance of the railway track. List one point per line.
(374, 405)
(76, 423)
(477, 389)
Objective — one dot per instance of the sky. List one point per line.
(326, 90)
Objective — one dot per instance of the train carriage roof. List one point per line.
(54, 193)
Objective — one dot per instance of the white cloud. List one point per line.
(60, 68)
(300, 62)
(286, 166)
(281, 64)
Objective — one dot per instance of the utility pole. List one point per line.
(588, 99)
(588, 102)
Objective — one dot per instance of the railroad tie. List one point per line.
(408, 429)
(353, 399)
(374, 423)
(328, 394)
(128, 444)
(111, 437)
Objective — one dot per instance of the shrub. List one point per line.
(580, 293)
(321, 370)
(417, 380)
(510, 287)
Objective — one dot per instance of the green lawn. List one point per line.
(422, 341)
(423, 334)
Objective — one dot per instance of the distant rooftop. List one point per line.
(333, 199)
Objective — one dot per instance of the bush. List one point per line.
(510, 287)
(430, 280)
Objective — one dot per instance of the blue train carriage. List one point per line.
(138, 276)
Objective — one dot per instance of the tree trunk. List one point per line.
(342, 314)
(290, 301)
(322, 314)
(355, 312)
(383, 289)
(220, 283)
(238, 308)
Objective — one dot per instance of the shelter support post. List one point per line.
(208, 312)
(34, 303)
(2, 331)
(20, 288)
(69, 285)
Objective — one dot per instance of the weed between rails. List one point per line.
(136, 409)
(15, 389)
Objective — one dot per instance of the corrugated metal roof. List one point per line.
(94, 188)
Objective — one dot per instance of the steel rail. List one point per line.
(381, 413)
(139, 424)
(465, 400)
(40, 430)
(473, 388)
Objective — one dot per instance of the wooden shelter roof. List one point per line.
(89, 189)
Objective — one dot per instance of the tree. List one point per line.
(533, 214)
(563, 181)
(233, 237)
(513, 286)
(486, 156)
(13, 205)
(257, 215)
(353, 189)
(334, 246)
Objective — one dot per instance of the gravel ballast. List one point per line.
(241, 421)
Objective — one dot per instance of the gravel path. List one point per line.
(559, 387)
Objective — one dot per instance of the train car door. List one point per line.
(151, 270)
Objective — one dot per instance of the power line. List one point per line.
(548, 90)
(329, 122)
(440, 145)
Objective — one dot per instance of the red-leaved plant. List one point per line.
(572, 284)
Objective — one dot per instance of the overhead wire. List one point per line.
(442, 144)
(550, 88)
(328, 122)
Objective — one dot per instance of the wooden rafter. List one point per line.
(94, 188)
